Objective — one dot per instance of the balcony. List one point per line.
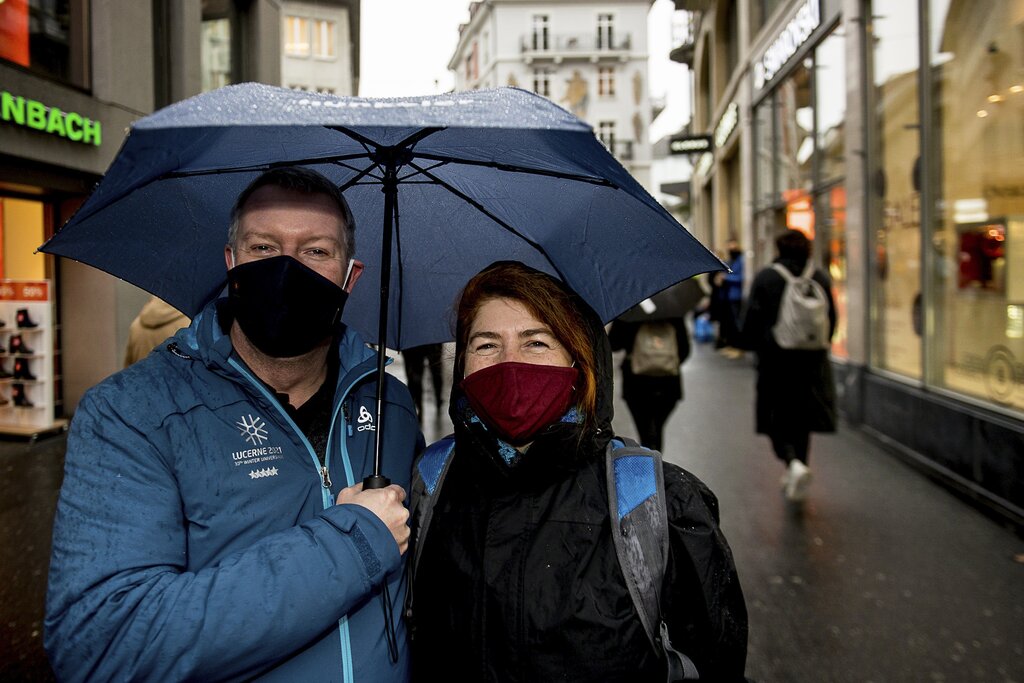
(684, 37)
(558, 47)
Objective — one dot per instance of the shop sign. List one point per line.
(786, 44)
(22, 111)
(727, 124)
(25, 290)
(690, 144)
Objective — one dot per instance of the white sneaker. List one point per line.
(799, 480)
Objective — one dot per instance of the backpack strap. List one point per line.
(783, 271)
(636, 502)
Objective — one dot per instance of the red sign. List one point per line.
(25, 290)
(14, 31)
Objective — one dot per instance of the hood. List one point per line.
(157, 313)
(562, 445)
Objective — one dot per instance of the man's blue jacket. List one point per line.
(195, 539)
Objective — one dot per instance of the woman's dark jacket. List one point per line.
(795, 389)
(518, 578)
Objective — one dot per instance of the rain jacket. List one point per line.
(795, 389)
(194, 539)
(518, 580)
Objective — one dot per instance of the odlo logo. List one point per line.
(365, 420)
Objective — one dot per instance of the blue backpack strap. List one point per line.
(636, 501)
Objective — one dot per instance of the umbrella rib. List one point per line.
(480, 207)
(260, 167)
(518, 169)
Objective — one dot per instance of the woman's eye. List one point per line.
(537, 345)
(485, 349)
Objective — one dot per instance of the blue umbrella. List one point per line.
(485, 175)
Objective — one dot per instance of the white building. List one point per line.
(589, 56)
(320, 46)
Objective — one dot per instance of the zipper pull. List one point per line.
(325, 478)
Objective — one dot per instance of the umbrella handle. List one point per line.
(376, 481)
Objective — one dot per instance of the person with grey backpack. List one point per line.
(789, 321)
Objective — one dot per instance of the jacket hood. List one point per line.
(562, 445)
(157, 313)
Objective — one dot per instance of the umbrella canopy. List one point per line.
(674, 302)
(473, 178)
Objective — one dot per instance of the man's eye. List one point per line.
(260, 247)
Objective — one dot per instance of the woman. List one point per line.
(518, 578)
(795, 391)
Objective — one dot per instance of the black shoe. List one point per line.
(22, 370)
(18, 346)
(19, 398)
(23, 320)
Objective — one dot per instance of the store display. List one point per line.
(26, 380)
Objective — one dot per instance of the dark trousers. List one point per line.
(414, 360)
(791, 445)
(650, 417)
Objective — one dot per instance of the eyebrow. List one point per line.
(487, 334)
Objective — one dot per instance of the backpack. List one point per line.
(655, 350)
(803, 312)
(637, 504)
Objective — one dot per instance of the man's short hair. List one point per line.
(793, 244)
(298, 180)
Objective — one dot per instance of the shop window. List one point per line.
(48, 38)
(794, 126)
(323, 39)
(22, 229)
(894, 222)
(977, 270)
(830, 106)
(296, 36)
(606, 81)
(764, 153)
(831, 247)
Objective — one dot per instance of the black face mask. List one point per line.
(283, 307)
(735, 254)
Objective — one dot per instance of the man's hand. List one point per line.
(386, 503)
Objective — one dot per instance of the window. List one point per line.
(606, 134)
(542, 82)
(296, 36)
(48, 38)
(215, 53)
(606, 81)
(605, 31)
(323, 39)
(540, 32)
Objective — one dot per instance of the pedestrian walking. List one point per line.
(652, 376)
(795, 389)
(210, 524)
(157, 321)
(415, 358)
(730, 302)
(517, 572)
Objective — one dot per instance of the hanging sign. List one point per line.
(690, 144)
(786, 44)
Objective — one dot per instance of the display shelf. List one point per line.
(31, 300)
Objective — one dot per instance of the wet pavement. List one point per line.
(881, 575)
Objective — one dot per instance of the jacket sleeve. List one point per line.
(704, 606)
(120, 603)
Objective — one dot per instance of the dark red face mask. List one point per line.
(517, 400)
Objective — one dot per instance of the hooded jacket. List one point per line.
(518, 579)
(157, 321)
(196, 539)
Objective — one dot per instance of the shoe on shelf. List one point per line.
(22, 369)
(19, 398)
(799, 480)
(17, 345)
(23, 319)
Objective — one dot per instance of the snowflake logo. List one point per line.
(252, 428)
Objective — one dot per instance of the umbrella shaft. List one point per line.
(390, 198)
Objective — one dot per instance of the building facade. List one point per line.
(74, 74)
(319, 49)
(589, 56)
(889, 131)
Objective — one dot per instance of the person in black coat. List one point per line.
(651, 399)
(518, 578)
(795, 389)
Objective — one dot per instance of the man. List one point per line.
(211, 524)
(731, 292)
(157, 321)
